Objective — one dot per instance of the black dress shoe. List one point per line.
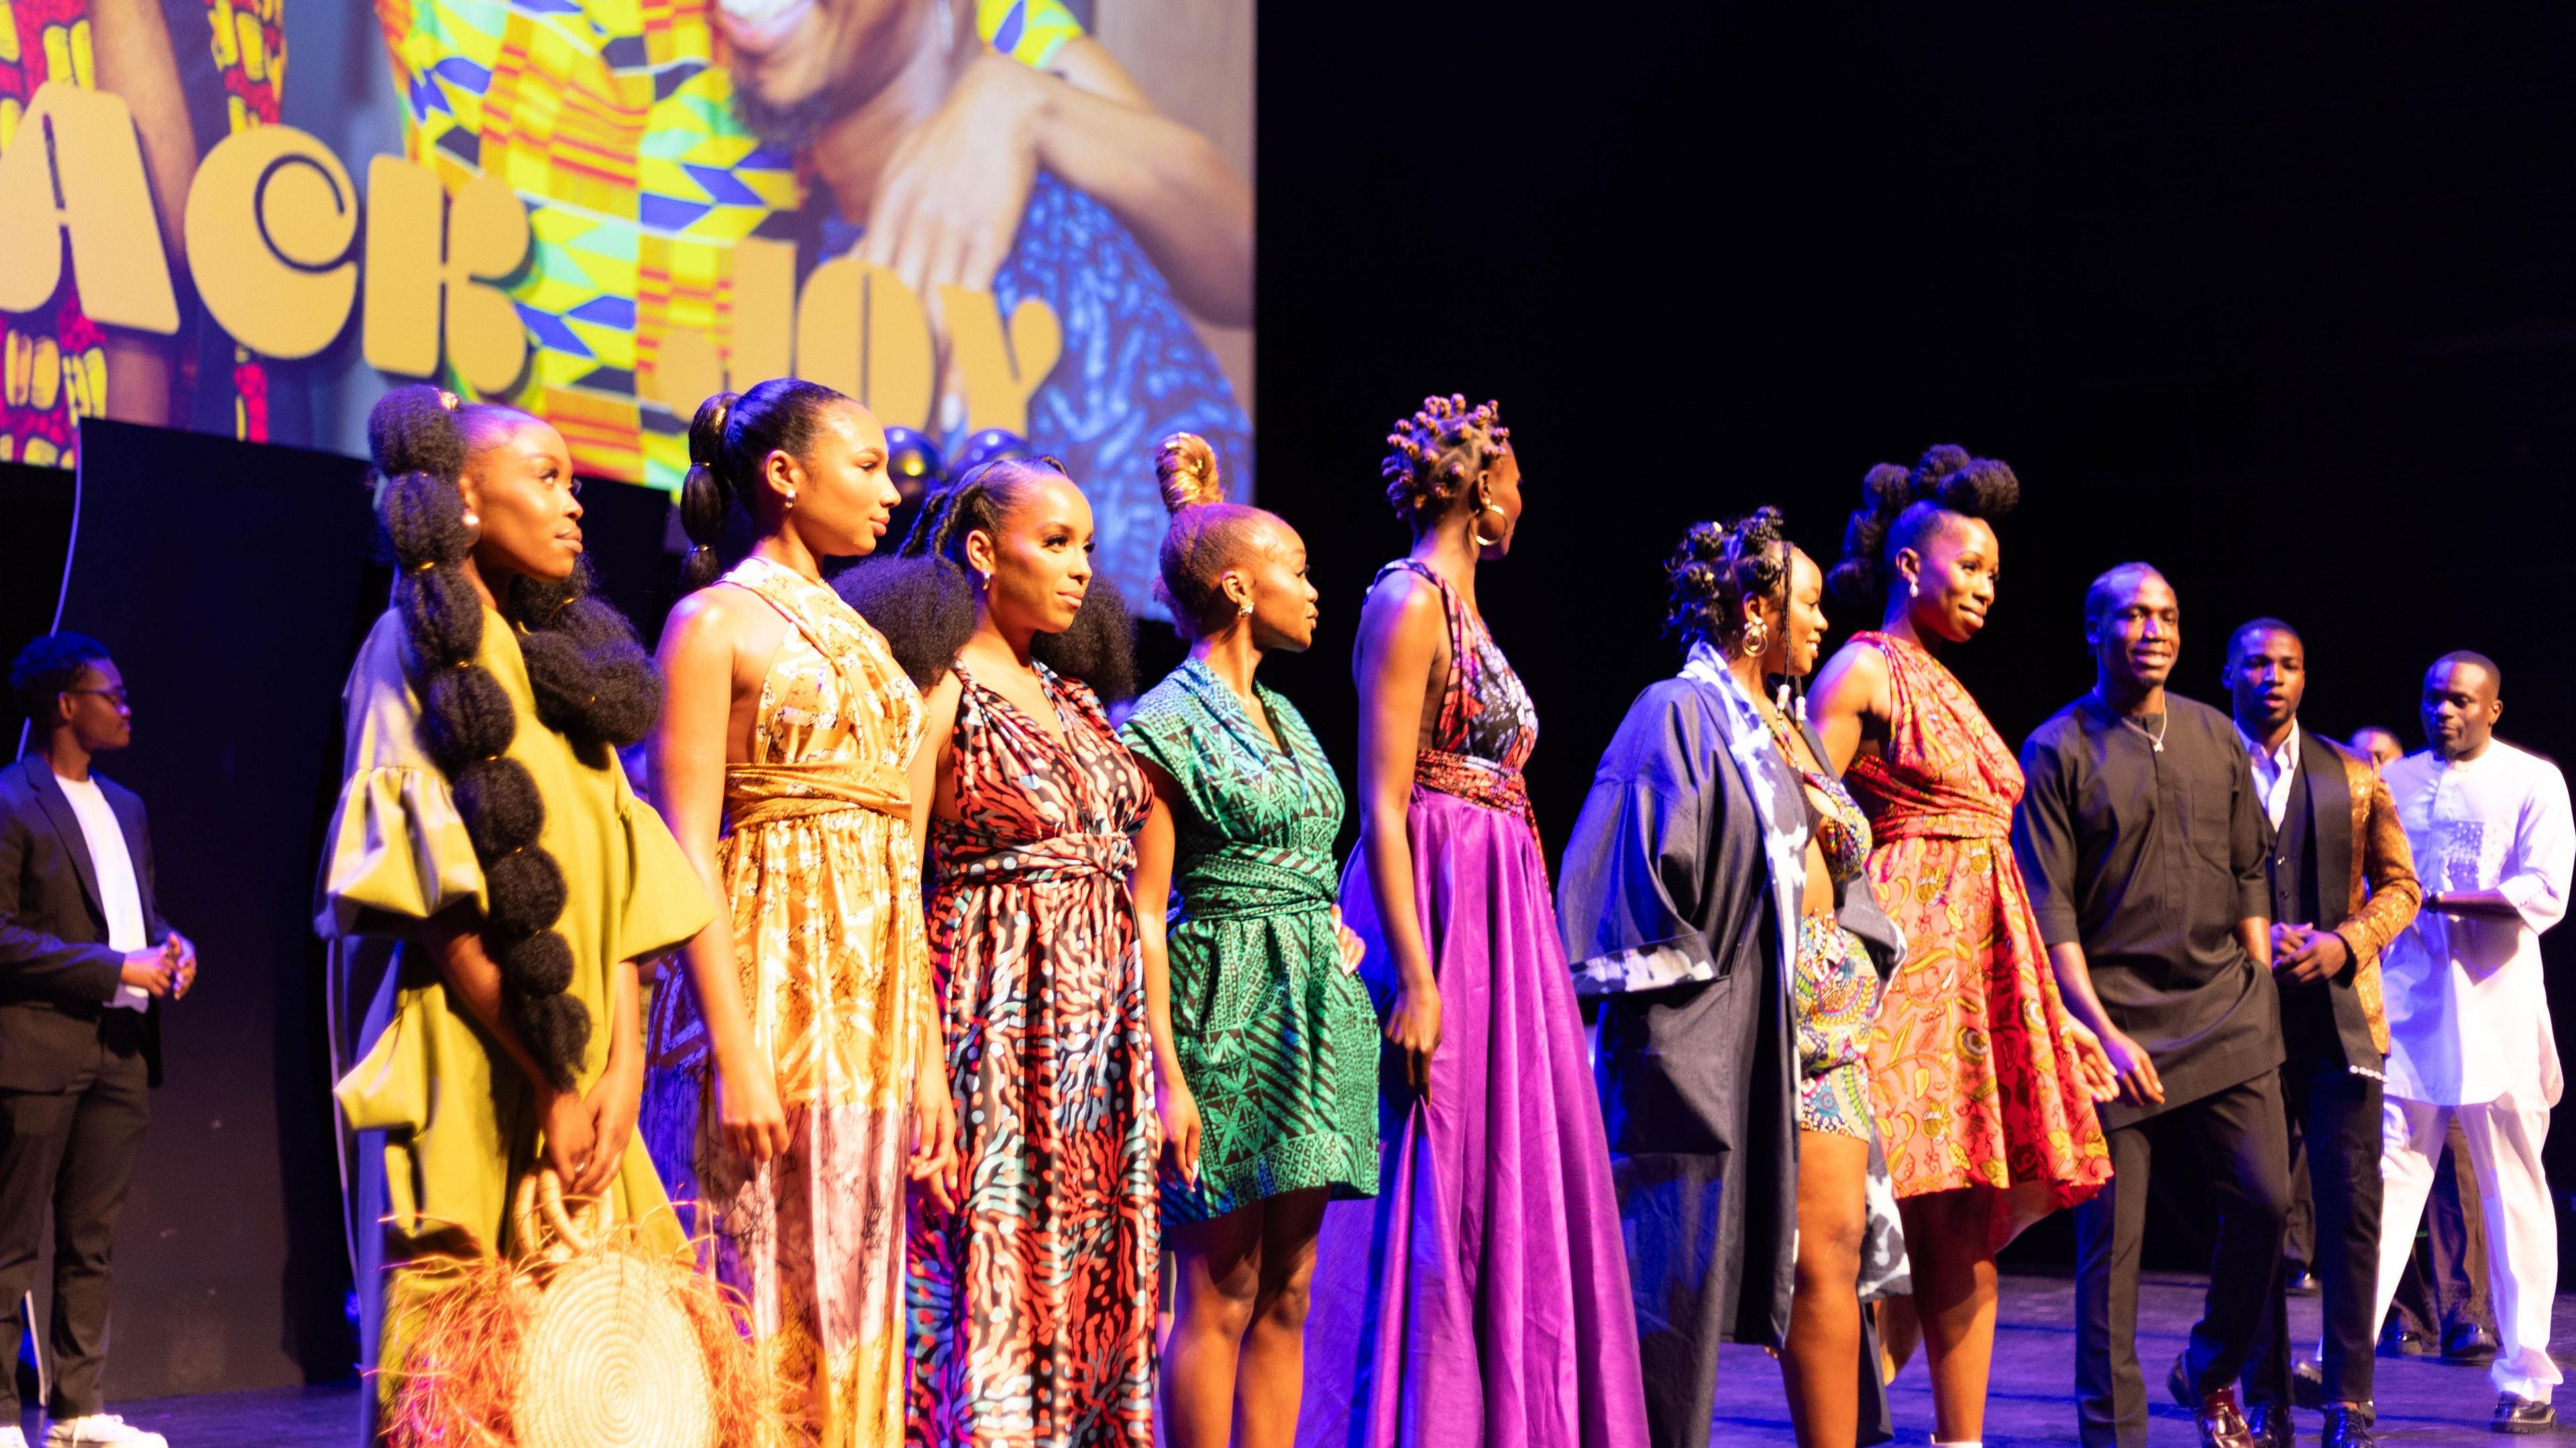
(2399, 1342)
(2299, 1282)
(2308, 1386)
(2220, 1421)
(2348, 1427)
(2466, 1342)
(2269, 1424)
(2517, 1414)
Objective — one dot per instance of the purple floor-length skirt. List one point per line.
(1482, 1297)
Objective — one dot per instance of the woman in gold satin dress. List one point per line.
(787, 1089)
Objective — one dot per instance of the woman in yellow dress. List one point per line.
(787, 1076)
(485, 824)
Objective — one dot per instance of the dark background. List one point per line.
(2281, 298)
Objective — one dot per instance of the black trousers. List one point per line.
(75, 1151)
(2337, 1113)
(2235, 1137)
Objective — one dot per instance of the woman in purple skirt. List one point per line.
(1482, 1298)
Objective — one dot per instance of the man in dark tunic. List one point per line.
(2144, 845)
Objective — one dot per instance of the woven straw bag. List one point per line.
(610, 1358)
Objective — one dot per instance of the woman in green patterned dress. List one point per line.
(1265, 1043)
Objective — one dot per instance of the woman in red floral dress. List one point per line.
(1983, 1081)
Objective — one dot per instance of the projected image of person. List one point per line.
(1050, 175)
(1715, 902)
(2468, 1015)
(486, 825)
(1032, 1259)
(794, 1067)
(1984, 1079)
(1265, 1042)
(2144, 846)
(1486, 1285)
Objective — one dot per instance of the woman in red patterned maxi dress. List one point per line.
(1982, 1079)
(1030, 1305)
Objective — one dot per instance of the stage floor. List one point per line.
(2420, 1402)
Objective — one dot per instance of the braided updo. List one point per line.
(920, 598)
(1902, 508)
(591, 679)
(1717, 569)
(1436, 453)
(1208, 535)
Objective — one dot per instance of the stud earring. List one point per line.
(1913, 588)
(791, 497)
(1244, 610)
(471, 519)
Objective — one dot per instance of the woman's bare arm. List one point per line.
(1151, 886)
(1850, 694)
(454, 941)
(1399, 641)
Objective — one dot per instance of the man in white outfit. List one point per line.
(2468, 1020)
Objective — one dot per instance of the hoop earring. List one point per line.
(1757, 637)
(1476, 530)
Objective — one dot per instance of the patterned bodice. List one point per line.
(1256, 828)
(1030, 808)
(1484, 712)
(1841, 829)
(834, 695)
(1943, 772)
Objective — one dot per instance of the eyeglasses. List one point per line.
(115, 697)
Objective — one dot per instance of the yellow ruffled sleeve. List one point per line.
(398, 852)
(666, 904)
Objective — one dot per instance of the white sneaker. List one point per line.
(100, 1430)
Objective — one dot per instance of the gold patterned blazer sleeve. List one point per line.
(2385, 893)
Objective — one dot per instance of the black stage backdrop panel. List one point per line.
(2275, 297)
(227, 580)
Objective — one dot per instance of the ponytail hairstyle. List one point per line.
(730, 441)
(1208, 535)
(1433, 456)
(592, 682)
(1903, 508)
(921, 600)
(1717, 570)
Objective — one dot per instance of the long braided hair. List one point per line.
(921, 600)
(592, 681)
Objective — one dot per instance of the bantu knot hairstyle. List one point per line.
(1903, 509)
(921, 599)
(1208, 535)
(47, 667)
(1434, 455)
(592, 681)
(731, 437)
(1717, 569)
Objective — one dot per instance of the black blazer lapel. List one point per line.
(58, 810)
(2329, 828)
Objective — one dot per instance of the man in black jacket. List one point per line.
(85, 962)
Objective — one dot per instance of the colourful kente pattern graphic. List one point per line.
(1031, 1310)
(614, 121)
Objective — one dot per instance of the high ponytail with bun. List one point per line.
(1208, 535)
(1901, 507)
(730, 441)
(705, 495)
(590, 677)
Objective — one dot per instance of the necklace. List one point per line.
(2154, 737)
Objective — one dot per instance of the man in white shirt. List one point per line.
(2468, 1019)
(85, 962)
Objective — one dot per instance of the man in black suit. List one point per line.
(85, 962)
(2343, 884)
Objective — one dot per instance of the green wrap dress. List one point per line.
(1277, 1038)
